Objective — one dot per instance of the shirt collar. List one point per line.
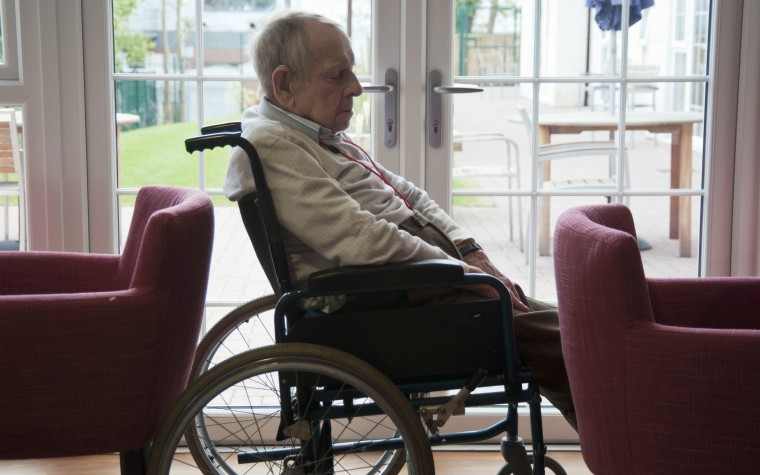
(313, 130)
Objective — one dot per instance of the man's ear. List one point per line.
(281, 83)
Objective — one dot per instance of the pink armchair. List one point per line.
(95, 348)
(665, 373)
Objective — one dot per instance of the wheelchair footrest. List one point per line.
(436, 417)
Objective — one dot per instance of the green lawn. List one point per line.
(156, 156)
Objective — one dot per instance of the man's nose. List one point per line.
(355, 87)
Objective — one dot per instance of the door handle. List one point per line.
(390, 123)
(435, 90)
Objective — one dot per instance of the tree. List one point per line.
(173, 109)
(133, 45)
(499, 7)
(465, 13)
(466, 10)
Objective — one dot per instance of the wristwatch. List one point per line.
(468, 248)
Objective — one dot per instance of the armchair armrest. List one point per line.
(397, 276)
(56, 272)
(708, 302)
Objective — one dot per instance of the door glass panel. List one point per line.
(223, 101)
(154, 36)
(153, 119)
(655, 166)
(487, 40)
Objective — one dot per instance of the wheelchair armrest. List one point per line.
(397, 276)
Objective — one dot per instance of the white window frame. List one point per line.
(730, 226)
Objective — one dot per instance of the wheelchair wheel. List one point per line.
(549, 464)
(347, 417)
(249, 326)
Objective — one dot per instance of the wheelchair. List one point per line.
(275, 389)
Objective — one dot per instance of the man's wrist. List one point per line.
(470, 247)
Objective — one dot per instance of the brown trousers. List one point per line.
(536, 332)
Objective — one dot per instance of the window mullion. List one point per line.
(199, 86)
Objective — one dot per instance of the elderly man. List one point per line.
(338, 207)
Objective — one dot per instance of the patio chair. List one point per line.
(95, 348)
(634, 90)
(509, 169)
(663, 371)
(548, 153)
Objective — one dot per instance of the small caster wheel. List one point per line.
(551, 465)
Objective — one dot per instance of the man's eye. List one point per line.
(341, 73)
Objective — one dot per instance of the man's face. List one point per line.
(326, 97)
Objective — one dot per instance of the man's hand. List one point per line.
(479, 263)
(483, 290)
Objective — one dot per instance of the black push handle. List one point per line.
(204, 142)
(215, 135)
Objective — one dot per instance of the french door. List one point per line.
(179, 64)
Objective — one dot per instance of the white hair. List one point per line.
(285, 41)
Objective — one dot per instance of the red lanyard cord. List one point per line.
(375, 171)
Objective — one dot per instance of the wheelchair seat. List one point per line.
(414, 342)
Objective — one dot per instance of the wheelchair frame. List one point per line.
(259, 216)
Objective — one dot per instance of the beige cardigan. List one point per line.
(333, 211)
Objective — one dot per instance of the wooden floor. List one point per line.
(447, 463)
(458, 463)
